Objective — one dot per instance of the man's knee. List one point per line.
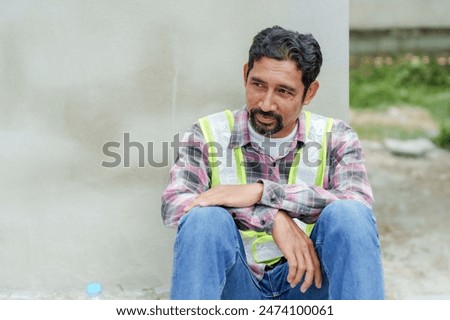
(211, 221)
(348, 217)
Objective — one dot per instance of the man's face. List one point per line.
(274, 96)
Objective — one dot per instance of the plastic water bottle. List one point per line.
(94, 291)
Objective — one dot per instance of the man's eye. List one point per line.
(284, 91)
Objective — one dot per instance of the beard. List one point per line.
(263, 128)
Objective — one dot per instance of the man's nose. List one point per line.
(267, 102)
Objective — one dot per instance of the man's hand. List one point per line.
(235, 196)
(298, 250)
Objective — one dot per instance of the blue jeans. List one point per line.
(210, 263)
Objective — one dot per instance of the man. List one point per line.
(271, 201)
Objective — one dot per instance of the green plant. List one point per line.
(443, 139)
(419, 81)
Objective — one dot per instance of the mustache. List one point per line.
(268, 114)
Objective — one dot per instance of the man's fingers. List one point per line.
(304, 263)
(292, 263)
(310, 272)
(301, 269)
(299, 251)
(192, 204)
(318, 278)
(195, 204)
(208, 198)
(309, 277)
(297, 268)
(309, 266)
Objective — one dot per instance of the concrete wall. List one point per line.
(77, 74)
(386, 26)
(388, 14)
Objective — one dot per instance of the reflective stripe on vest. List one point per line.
(228, 167)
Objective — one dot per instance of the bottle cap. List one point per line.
(94, 289)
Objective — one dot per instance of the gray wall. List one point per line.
(387, 14)
(396, 26)
(77, 74)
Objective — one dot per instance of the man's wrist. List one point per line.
(260, 190)
(273, 194)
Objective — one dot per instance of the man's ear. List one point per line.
(245, 73)
(312, 90)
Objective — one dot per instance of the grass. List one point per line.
(378, 133)
(377, 83)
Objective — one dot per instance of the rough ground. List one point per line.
(412, 209)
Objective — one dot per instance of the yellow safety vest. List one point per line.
(228, 167)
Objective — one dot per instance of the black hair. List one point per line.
(281, 44)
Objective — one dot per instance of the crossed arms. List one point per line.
(270, 205)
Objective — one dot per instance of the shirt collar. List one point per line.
(241, 136)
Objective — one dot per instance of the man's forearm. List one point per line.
(232, 196)
(307, 202)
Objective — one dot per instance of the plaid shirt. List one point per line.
(345, 177)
